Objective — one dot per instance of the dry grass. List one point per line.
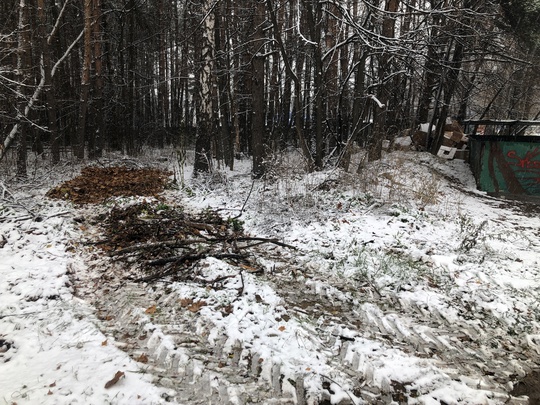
(397, 178)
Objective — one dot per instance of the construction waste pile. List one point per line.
(454, 145)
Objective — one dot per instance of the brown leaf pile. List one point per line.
(97, 184)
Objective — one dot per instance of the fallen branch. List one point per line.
(168, 243)
(174, 243)
(59, 214)
(245, 202)
(200, 256)
(24, 314)
(200, 226)
(265, 240)
(182, 259)
(10, 198)
(180, 243)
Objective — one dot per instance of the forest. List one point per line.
(232, 78)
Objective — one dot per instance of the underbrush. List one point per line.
(390, 271)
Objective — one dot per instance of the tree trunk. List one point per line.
(163, 87)
(130, 130)
(95, 148)
(23, 73)
(431, 69)
(380, 126)
(85, 81)
(258, 127)
(336, 74)
(206, 71)
(224, 78)
(314, 16)
(51, 104)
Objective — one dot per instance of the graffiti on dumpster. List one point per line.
(507, 166)
(526, 163)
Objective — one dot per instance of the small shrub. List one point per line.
(471, 233)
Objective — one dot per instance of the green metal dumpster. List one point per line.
(506, 165)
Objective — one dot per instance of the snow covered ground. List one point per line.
(51, 347)
(407, 286)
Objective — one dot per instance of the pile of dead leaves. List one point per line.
(97, 184)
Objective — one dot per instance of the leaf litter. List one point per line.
(97, 184)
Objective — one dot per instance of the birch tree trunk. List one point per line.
(205, 82)
(313, 17)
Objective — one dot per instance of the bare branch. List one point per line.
(37, 92)
(57, 23)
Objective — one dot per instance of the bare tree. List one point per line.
(385, 70)
(206, 80)
(249, 75)
(258, 130)
(79, 146)
(97, 133)
(24, 78)
(297, 85)
(27, 100)
(46, 65)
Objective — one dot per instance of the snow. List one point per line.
(414, 234)
(58, 354)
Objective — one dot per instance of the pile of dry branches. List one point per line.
(162, 241)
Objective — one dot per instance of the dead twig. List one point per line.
(167, 242)
(182, 259)
(200, 256)
(265, 240)
(200, 226)
(334, 382)
(157, 276)
(11, 199)
(59, 214)
(172, 244)
(23, 314)
(180, 243)
(245, 202)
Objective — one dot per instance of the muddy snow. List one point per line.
(401, 284)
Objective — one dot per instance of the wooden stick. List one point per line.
(200, 256)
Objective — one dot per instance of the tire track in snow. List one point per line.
(469, 351)
(180, 355)
(175, 347)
